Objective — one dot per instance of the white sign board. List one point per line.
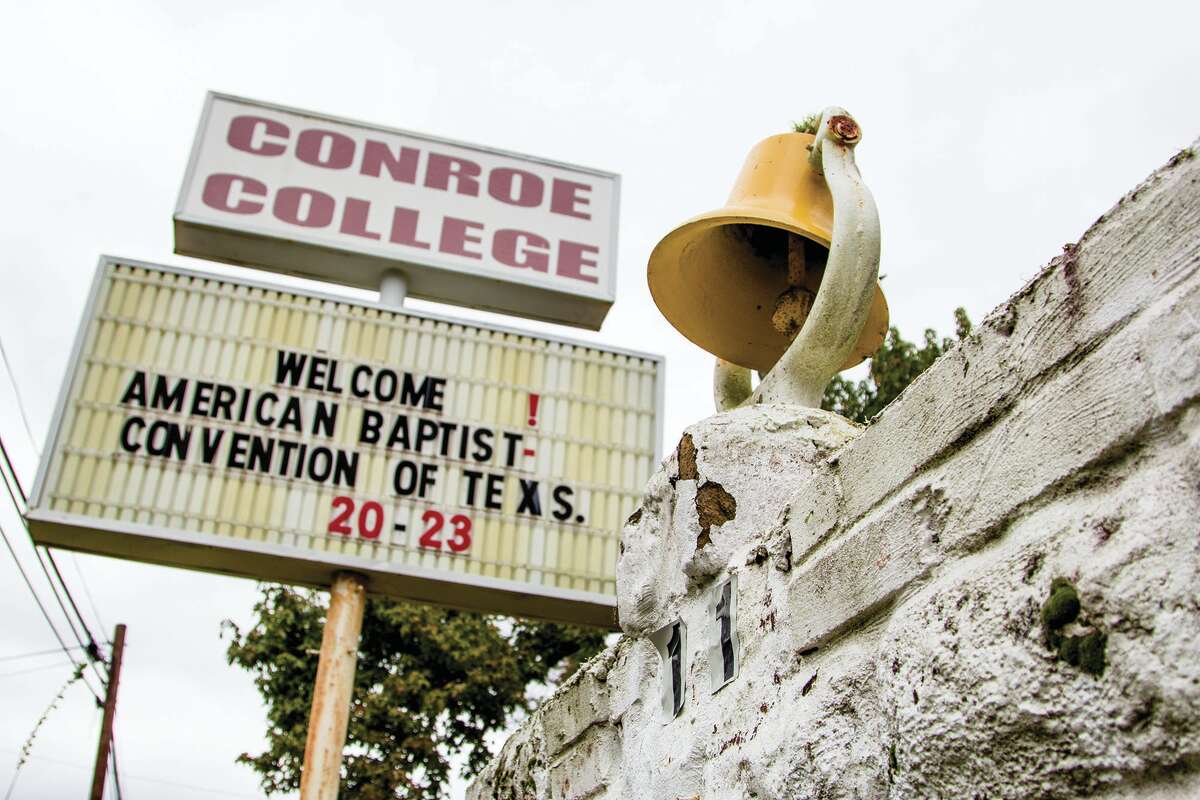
(281, 435)
(343, 201)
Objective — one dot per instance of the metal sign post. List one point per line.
(334, 688)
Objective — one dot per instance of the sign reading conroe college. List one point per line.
(267, 432)
(341, 201)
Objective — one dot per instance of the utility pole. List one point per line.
(110, 708)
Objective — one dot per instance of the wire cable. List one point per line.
(16, 478)
(42, 668)
(34, 654)
(41, 607)
(87, 592)
(17, 393)
(91, 648)
(112, 752)
(41, 562)
(129, 776)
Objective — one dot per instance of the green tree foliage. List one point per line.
(808, 124)
(430, 683)
(894, 366)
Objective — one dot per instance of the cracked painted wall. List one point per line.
(991, 592)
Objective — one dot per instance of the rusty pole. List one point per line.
(330, 715)
(110, 709)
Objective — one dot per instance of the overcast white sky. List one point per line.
(993, 134)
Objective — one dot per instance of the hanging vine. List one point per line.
(37, 726)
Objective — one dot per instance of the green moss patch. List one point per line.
(1062, 607)
(1087, 650)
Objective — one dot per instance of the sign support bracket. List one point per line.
(393, 289)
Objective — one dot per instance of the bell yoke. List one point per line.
(784, 278)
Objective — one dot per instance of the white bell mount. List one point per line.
(840, 309)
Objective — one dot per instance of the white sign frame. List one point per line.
(266, 561)
(522, 292)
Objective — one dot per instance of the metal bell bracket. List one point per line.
(844, 297)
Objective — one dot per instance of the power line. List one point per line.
(29, 584)
(91, 648)
(87, 592)
(25, 499)
(35, 654)
(37, 555)
(132, 777)
(16, 478)
(42, 668)
(25, 421)
(17, 393)
(42, 608)
(116, 775)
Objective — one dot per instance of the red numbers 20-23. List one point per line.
(369, 524)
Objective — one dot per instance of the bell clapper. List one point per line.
(797, 265)
(793, 305)
(732, 384)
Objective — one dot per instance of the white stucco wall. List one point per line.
(891, 580)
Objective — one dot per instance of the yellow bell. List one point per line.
(737, 281)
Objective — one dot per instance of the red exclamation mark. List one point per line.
(533, 418)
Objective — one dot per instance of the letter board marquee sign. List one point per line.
(342, 201)
(276, 434)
